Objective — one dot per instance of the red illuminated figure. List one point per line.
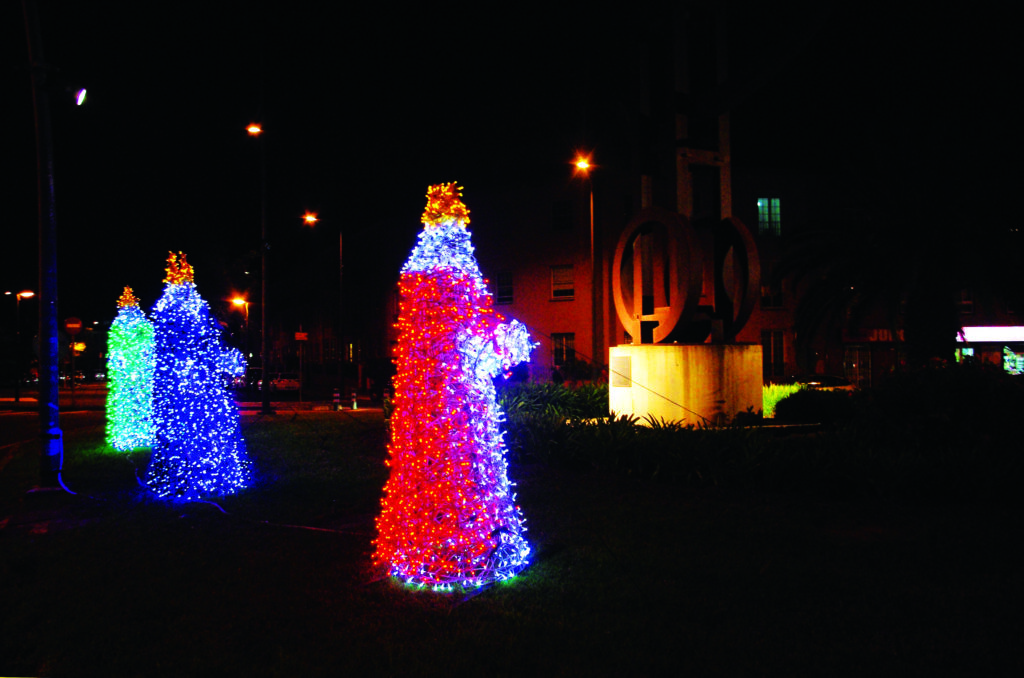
(448, 515)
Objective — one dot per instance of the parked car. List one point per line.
(823, 382)
(282, 382)
(285, 382)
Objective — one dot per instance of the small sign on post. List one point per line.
(72, 326)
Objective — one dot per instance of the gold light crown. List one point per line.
(179, 271)
(127, 299)
(444, 202)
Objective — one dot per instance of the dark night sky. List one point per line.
(364, 110)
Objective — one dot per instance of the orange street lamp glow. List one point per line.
(310, 218)
(254, 130)
(582, 163)
(239, 301)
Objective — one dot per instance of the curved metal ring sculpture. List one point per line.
(658, 274)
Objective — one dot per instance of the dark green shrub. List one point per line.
(939, 436)
(582, 401)
(771, 394)
(810, 406)
(957, 407)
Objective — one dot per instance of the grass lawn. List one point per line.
(628, 578)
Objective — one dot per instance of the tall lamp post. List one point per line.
(24, 294)
(256, 130)
(582, 163)
(50, 436)
(310, 218)
(243, 303)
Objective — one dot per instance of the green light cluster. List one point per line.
(130, 374)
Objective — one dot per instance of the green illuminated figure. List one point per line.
(130, 376)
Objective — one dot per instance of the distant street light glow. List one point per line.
(254, 130)
(310, 218)
(24, 294)
(582, 163)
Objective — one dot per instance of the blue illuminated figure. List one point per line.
(198, 450)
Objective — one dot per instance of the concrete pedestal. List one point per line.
(691, 383)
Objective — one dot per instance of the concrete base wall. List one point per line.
(685, 382)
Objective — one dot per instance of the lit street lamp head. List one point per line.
(582, 164)
(310, 218)
(254, 129)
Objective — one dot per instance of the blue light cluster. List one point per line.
(198, 449)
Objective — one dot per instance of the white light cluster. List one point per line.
(198, 449)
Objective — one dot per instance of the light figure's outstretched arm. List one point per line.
(232, 362)
(487, 354)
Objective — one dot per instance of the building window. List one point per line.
(773, 362)
(769, 221)
(564, 345)
(964, 355)
(562, 283)
(503, 287)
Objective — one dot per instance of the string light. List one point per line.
(198, 450)
(130, 376)
(448, 516)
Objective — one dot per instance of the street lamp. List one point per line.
(310, 219)
(239, 301)
(583, 165)
(24, 294)
(256, 130)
